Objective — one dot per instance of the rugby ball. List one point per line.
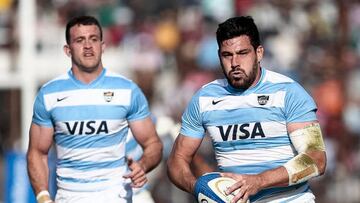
(210, 188)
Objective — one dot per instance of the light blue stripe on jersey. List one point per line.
(131, 145)
(247, 144)
(216, 89)
(133, 149)
(249, 115)
(89, 165)
(254, 168)
(90, 141)
(79, 180)
(87, 112)
(67, 82)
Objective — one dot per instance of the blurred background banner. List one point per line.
(17, 184)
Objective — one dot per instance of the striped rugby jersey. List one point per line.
(91, 125)
(248, 127)
(135, 151)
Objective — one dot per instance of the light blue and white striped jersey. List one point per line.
(133, 148)
(248, 127)
(91, 127)
(135, 151)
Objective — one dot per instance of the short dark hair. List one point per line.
(81, 20)
(237, 26)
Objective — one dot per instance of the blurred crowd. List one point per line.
(171, 51)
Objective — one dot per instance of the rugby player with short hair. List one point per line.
(88, 112)
(263, 125)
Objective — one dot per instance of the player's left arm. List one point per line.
(307, 139)
(145, 134)
(310, 162)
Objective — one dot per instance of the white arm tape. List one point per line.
(308, 138)
(302, 167)
(43, 197)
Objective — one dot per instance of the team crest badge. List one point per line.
(263, 99)
(108, 96)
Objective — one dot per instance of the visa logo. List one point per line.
(86, 127)
(241, 131)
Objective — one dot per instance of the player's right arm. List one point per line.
(37, 160)
(178, 165)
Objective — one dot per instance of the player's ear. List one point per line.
(67, 50)
(259, 53)
(103, 47)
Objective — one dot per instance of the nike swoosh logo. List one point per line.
(215, 102)
(60, 99)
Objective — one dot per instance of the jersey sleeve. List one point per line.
(139, 108)
(41, 116)
(299, 105)
(191, 122)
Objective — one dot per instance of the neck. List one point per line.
(86, 77)
(257, 78)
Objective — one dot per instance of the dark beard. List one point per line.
(244, 82)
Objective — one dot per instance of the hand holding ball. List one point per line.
(210, 188)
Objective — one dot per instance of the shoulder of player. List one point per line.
(280, 81)
(274, 77)
(117, 78)
(210, 88)
(55, 82)
(219, 83)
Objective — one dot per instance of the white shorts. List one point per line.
(113, 195)
(300, 195)
(143, 196)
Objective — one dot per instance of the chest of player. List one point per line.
(89, 112)
(238, 117)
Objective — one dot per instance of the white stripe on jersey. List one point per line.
(246, 157)
(271, 129)
(84, 97)
(113, 126)
(101, 154)
(235, 102)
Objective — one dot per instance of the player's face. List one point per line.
(85, 48)
(240, 62)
